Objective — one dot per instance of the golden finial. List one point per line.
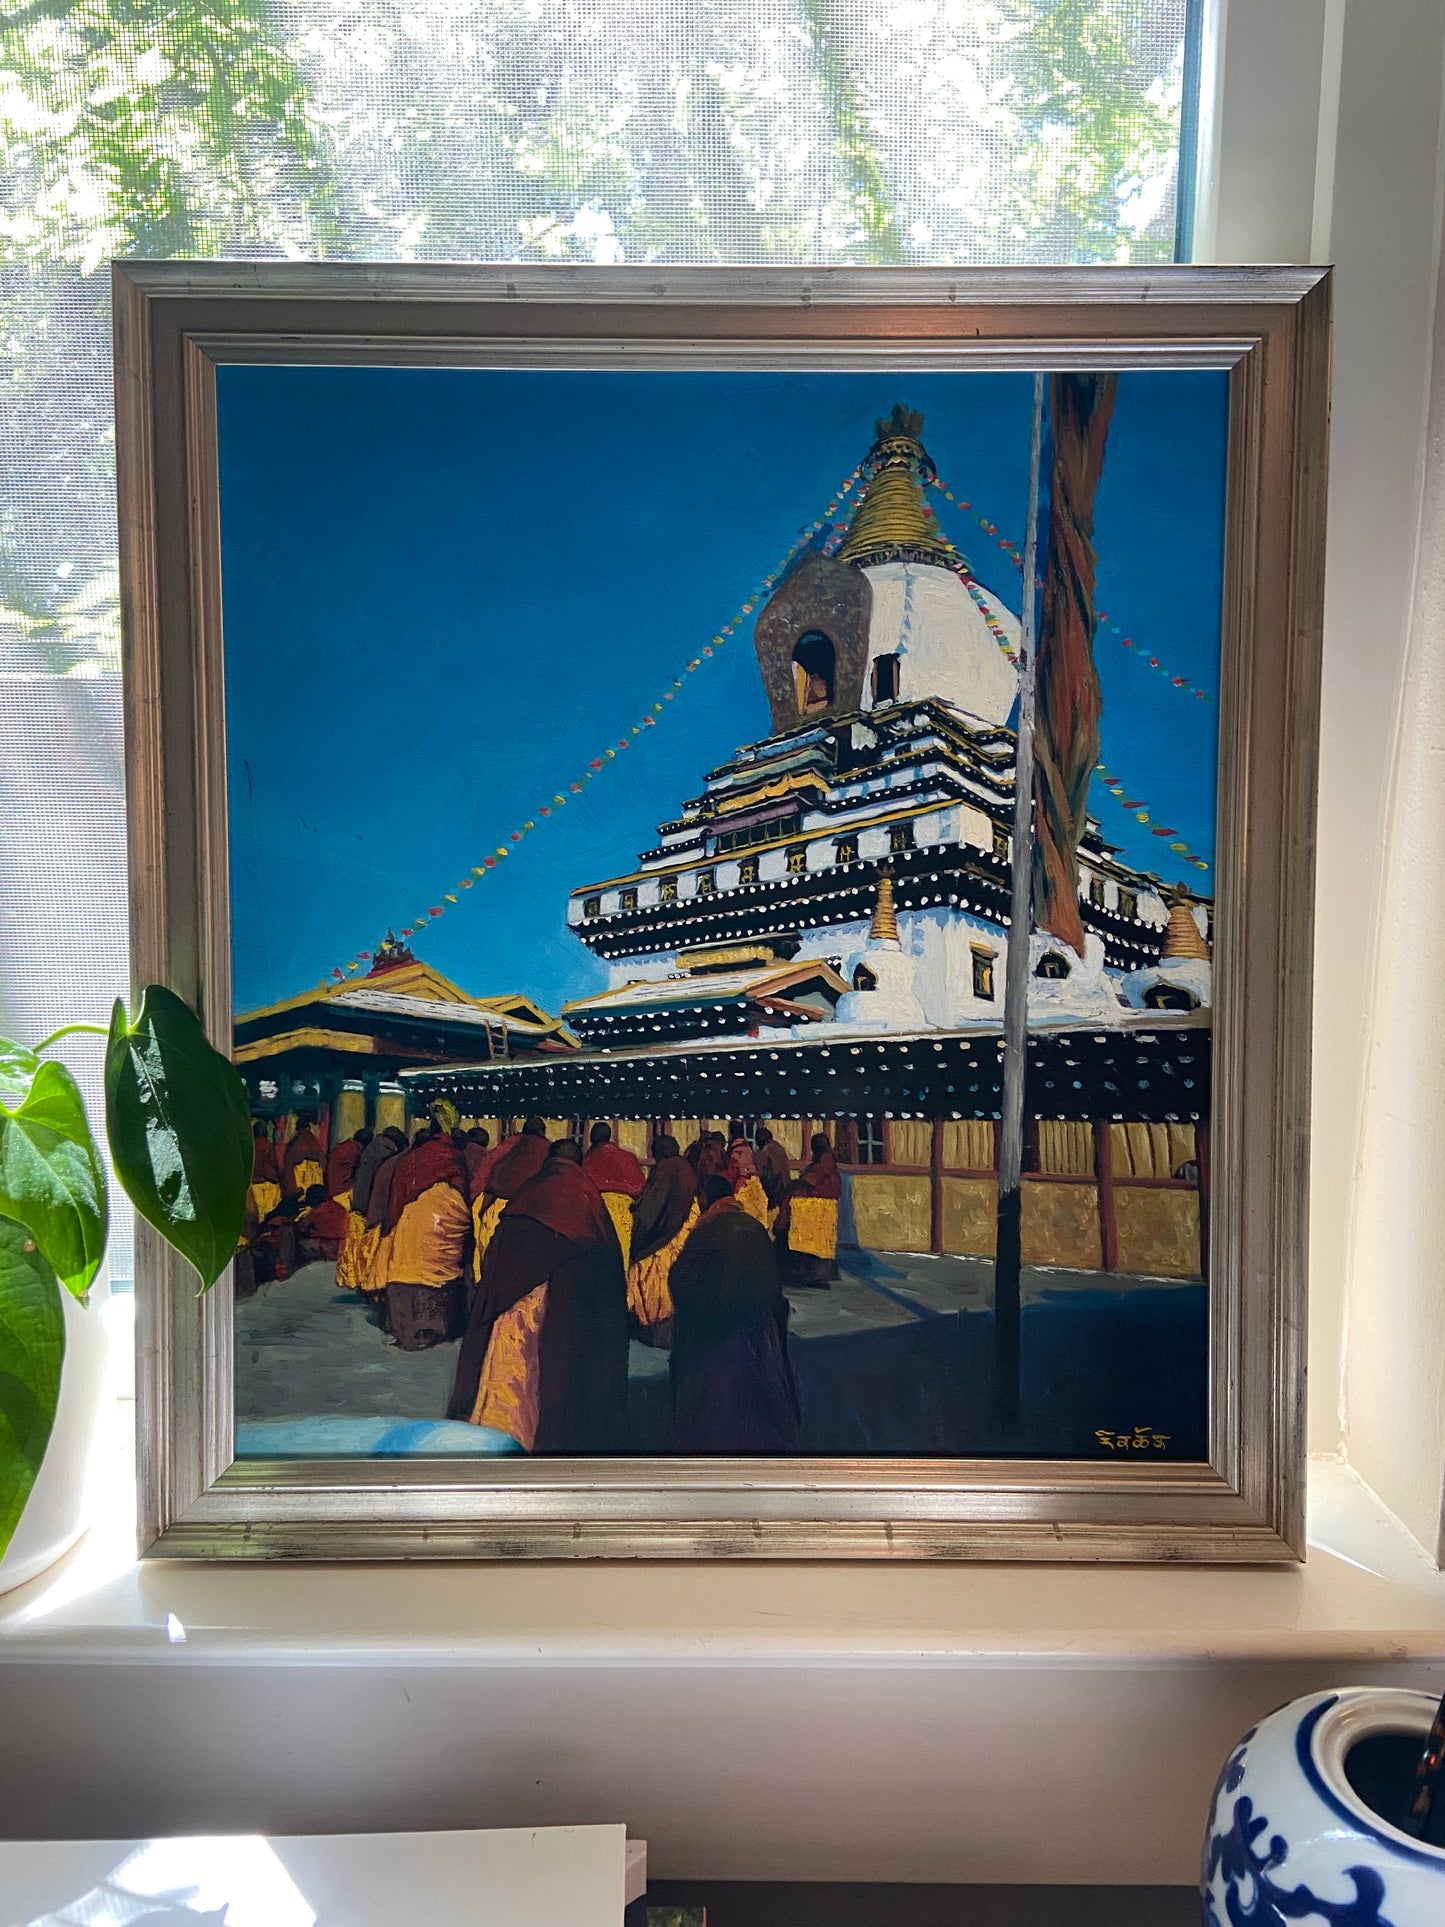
(1182, 937)
(884, 927)
(890, 521)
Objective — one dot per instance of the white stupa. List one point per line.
(1183, 977)
(929, 631)
(883, 996)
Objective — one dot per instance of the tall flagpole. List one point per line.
(1007, 1259)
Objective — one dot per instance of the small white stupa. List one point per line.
(883, 995)
(1183, 977)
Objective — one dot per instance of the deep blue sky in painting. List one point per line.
(445, 591)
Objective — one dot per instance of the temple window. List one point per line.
(797, 860)
(748, 870)
(592, 906)
(900, 837)
(885, 678)
(846, 849)
(706, 882)
(871, 1143)
(983, 974)
(1128, 903)
(1096, 892)
(863, 978)
(668, 892)
(1051, 966)
(814, 667)
(1168, 997)
(1001, 842)
(628, 900)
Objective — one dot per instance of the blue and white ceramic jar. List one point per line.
(1291, 1840)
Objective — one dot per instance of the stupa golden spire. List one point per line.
(890, 523)
(1182, 936)
(884, 927)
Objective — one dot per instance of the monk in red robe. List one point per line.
(321, 1227)
(545, 1355)
(428, 1223)
(341, 1162)
(733, 1388)
(476, 1149)
(619, 1177)
(662, 1216)
(304, 1163)
(518, 1162)
(774, 1168)
(806, 1231)
(741, 1174)
(265, 1192)
(363, 1233)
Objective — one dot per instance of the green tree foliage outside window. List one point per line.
(732, 130)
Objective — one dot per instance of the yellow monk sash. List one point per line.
(649, 1297)
(264, 1198)
(307, 1173)
(753, 1199)
(509, 1394)
(356, 1253)
(377, 1275)
(429, 1245)
(484, 1223)
(813, 1227)
(619, 1209)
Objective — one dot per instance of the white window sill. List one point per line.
(1367, 1595)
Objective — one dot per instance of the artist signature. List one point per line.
(1142, 1439)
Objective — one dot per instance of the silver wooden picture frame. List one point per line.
(177, 324)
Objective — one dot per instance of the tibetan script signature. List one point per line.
(1142, 1439)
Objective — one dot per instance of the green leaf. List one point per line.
(32, 1345)
(17, 1069)
(51, 1177)
(179, 1125)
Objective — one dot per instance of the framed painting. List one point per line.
(750, 836)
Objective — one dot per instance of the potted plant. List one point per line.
(178, 1126)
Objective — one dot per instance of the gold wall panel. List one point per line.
(1061, 1225)
(1158, 1232)
(892, 1213)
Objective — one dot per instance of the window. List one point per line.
(900, 837)
(1096, 892)
(885, 679)
(1051, 966)
(814, 662)
(667, 892)
(872, 1145)
(768, 831)
(845, 850)
(1168, 997)
(863, 978)
(254, 134)
(1128, 903)
(748, 870)
(592, 906)
(983, 974)
(706, 882)
(797, 860)
(628, 900)
(1002, 843)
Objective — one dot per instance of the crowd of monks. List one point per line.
(547, 1258)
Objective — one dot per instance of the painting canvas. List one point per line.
(625, 865)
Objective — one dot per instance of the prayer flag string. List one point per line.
(648, 720)
(1141, 813)
(1102, 618)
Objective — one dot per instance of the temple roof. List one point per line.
(891, 523)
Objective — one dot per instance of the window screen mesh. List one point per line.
(865, 131)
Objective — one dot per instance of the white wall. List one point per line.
(1329, 132)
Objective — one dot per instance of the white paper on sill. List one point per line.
(509, 1877)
